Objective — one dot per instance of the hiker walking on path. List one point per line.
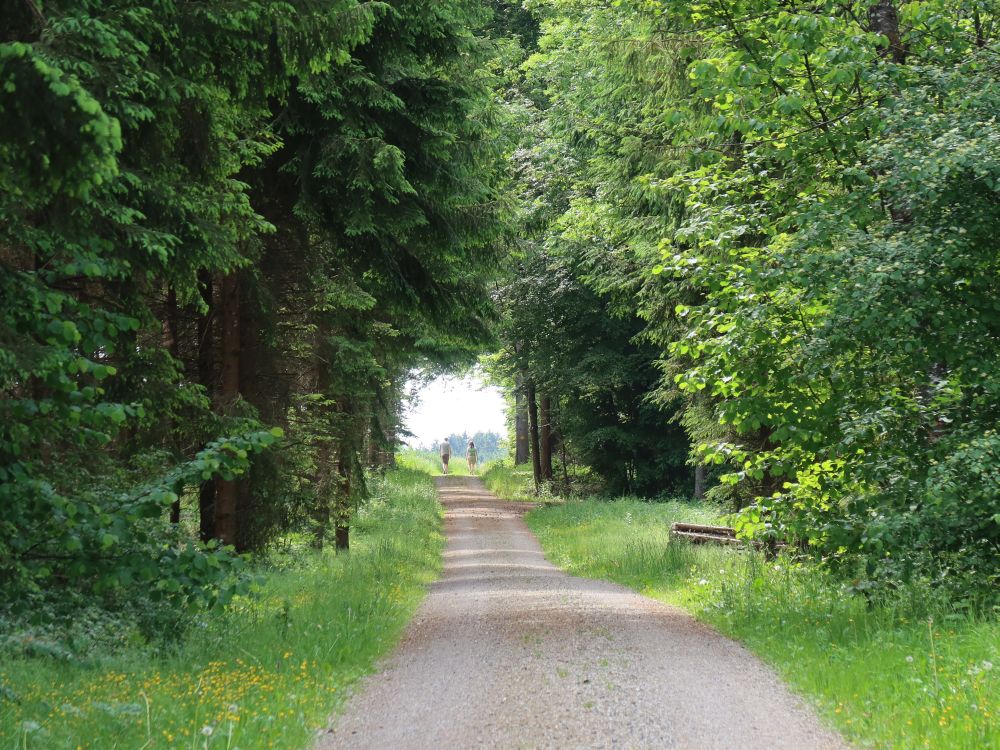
(472, 456)
(445, 455)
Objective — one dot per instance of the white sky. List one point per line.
(449, 405)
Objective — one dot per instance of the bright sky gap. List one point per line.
(450, 404)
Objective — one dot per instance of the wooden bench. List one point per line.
(697, 533)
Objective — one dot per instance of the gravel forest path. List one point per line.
(507, 651)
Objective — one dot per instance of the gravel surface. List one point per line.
(507, 651)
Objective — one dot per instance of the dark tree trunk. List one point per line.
(545, 437)
(206, 510)
(342, 512)
(206, 377)
(522, 451)
(226, 491)
(206, 368)
(378, 441)
(536, 461)
(342, 537)
(699, 481)
(257, 386)
(227, 498)
(565, 463)
(323, 485)
(171, 325)
(371, 448)
(883, 19)
(326, 477)
(171, 341)
(229, 376)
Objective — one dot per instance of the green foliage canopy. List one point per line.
(800, 201)
(302, 190)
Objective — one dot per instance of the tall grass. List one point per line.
(512, 482)
(429, 462)
(906, 672)
(267, 672)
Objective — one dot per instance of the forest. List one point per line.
(753, 255)
(226, 239)
(736, 253)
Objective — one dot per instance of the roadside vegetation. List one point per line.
(419, 460)
(513, 482)
(907, 669)
(429, 462)
(756, 262)
(265, 672)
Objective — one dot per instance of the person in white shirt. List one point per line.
(445, 455)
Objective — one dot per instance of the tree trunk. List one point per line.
(171, 325)
(342, 537)
(522, 452)
(545, 437)
(342, 512)
(371, 449)
(206, 377)
(565, 464)
(171, 342)
(226, 491)
(883, 19)
(321, 517)
(378, 440)
(536, 461)
(699, 481)
(206, 510)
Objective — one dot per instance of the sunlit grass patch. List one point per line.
(430, 463)
(510, 482)
(911, 672)
(266, 673)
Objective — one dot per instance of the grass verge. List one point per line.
(512, 482)
(267, 672)
(906, 673)
(430, 463)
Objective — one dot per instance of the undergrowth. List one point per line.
(265, 673)
(514, 482)
(907, 671)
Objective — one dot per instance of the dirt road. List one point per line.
(507, 651)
